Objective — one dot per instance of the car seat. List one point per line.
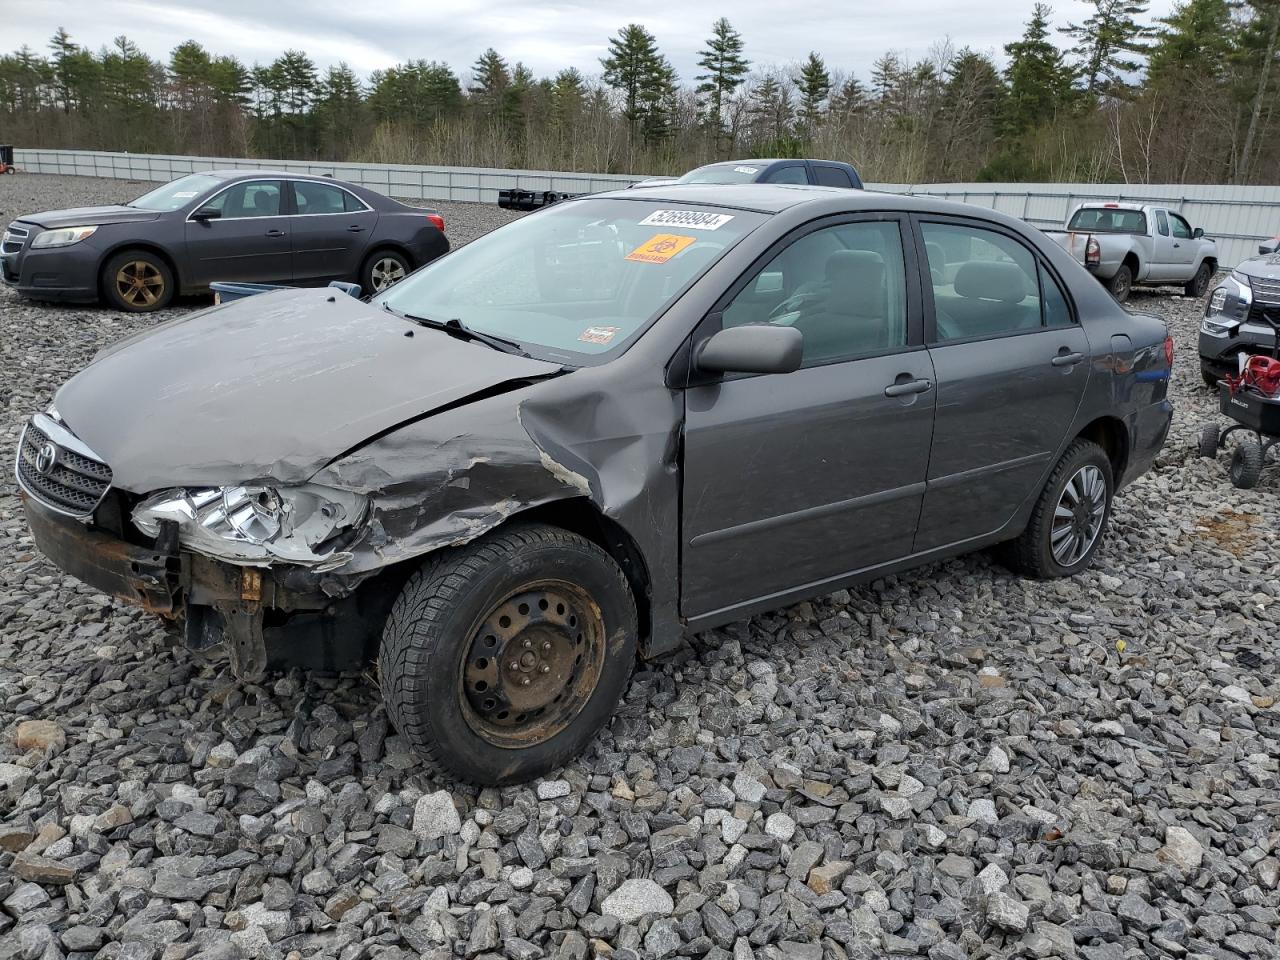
(266, 204)
(851, 318)
(989, 299)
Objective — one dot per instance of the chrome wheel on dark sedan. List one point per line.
(387, 270)
(1077, 520)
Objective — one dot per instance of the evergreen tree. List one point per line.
(491, 85)
(644, 77)
(815, 88)
(725, 68)
(1039, 81)
(1195, 38)
(75, 72)
(1110, 44)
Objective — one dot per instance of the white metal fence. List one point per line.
(1237, 217)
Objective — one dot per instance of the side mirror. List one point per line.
(204, 214)
(1197, 233)
(754, 348)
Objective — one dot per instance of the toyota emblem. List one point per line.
(47, 458)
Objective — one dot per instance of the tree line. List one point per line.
(1117, 97)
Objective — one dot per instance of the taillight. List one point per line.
(1168, 351)
(437, 221)
(1093, 252)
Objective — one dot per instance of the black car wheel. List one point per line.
(1121, 285)
(383, 269)
(1199, 283)
(1070, 517)
(1246, 465)
(137, 281)
(503, 658)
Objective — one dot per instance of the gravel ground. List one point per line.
(953, 763)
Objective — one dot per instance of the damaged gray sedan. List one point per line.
(579, 439)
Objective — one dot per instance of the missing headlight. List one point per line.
(255, 524)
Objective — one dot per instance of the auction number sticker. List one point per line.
(746, 170)
(689, 219)
(598, 334)
(661, 248)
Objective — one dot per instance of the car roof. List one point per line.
(230, 175)
(773, 198)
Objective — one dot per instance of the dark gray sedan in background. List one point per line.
(259, 226)
(596, 430)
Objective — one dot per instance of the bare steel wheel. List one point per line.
(533, 664)
(384, 269)
(137, 281)
(502, 658)
(1077, 520)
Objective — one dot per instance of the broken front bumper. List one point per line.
(214, 602)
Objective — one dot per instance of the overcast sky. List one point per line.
(547, 35)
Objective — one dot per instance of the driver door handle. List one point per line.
(354, 228)
(275, 233)
(908, 388)
(1067, 359)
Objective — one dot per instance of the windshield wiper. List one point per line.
(457, 327)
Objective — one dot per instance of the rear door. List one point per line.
(794, 481)
(1011, 362)
(248, 241)
(331, 231)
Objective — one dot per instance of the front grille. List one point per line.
(73, 483)
(13, 239)
(1265, 291)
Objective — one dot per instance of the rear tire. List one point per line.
(137, 281)
(1198, 284)
(502, 659)
(1209, 436)
(1070, 517)
(1121, 285)
(382, 270)
(1246, 465)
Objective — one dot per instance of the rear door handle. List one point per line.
(275, 233)
(908, 388)
(355, 229)
(1067, 359)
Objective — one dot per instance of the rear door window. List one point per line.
(832, 176)
(985, 283)
(790, 174)
(318, 198)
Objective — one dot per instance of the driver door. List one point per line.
(249, 241)
(793, 482)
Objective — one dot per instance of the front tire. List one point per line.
(1210, 435)
(1198, 284)
(382, 270)
(1121, 285)
(502, 659)
(137, 281)
(1070, 517)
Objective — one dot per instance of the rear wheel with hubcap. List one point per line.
(137, 281)
(384, 269)
(503, 658)
(1070, 517)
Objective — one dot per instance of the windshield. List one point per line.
(575, 281)
(176, 195)
(1108, 220)
(723, 173)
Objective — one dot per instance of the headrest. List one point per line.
(857, 282)
(992, 280)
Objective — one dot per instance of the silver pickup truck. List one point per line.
(1123, 244)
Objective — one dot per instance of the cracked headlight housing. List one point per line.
(257, 524)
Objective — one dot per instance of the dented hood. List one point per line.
(273, 386)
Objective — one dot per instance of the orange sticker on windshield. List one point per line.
(661, 248)
(598, 334)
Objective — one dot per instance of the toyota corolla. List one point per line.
(599, 429)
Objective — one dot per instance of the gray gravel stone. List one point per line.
(637, 898)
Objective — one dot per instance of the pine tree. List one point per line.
(815, 88)
(725, 68)
(1110, 44)
(644, 77)
(1039, 81)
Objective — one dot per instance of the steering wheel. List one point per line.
(797, 301)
